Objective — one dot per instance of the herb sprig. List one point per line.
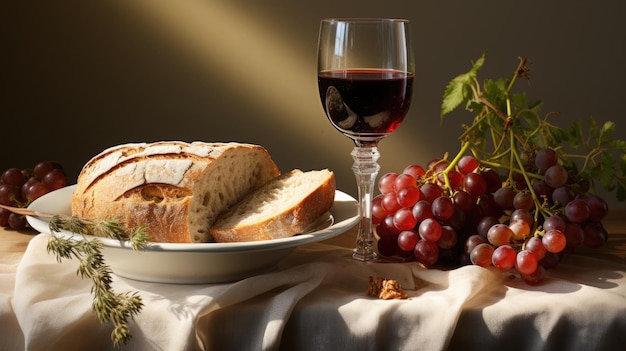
(507, 130)
(108, 305)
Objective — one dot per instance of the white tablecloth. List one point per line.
(316, 300)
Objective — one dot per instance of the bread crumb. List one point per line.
(385, 289)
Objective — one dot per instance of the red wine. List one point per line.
(365, 103)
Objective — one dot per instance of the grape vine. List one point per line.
(519, 193)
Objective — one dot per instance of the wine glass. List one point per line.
(365, 79)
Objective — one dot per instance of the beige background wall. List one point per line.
(79, 76)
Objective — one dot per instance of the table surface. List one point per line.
(578, 310)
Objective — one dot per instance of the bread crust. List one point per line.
(176, 189)
(284, 222)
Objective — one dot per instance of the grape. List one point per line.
(36, 190)
(473, 241)
(17, 221)
(403, 219)
(386, 182)
(492, 179)
(485, 224)
(499, 234)
(387, 245)
(9, 195)
(378, 212)
(407, 239)
(408, 197)
(526, 262)
(563, 195)
(523, 215)
(595, 234)
(535, 277)
(442, 208)
(464, 201)
(467, 164)
(426, 252)
(13, 176)
(481, 255)
(429, 230)
(390, 203)
(416, 171)
(503, 257)
(474, 184)
(55, 179)
(503, 197)
(543, 190)
(598, 208)
(523, 200)
(430, 191)
(535, 245)
(520, 229)
(554, 222)
(577, 211)
(448, 237)
(41, 169)
(386, 227)
(554, 240)
(422, 210)
(455, 178)
(556, 176)
(545, 159)
(404, 181)
(574, 234)
(4, 217)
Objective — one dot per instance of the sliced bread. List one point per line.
(283, 207)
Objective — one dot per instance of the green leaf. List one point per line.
(456, 93)
(606, 133)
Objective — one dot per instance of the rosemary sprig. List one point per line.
(109, 306)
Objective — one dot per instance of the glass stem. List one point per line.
(365, 169)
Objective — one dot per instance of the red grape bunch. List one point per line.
(20, 187)
(455, 213)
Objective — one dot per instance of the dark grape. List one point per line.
(17, 221)
(503, 197)
(430, 191)
(563, 195)
(523, 200)
(554, 222)
(448, 237)
(577, 211)
(4, 217)
(598, 208)
(55, 179)
(555, 176)
(9, 195)
(574, 234)
(443, 208)
(426, 252)
(492, 179)
(474, 184)
(41, 169)
(545, 159)
(13, 176)
(422, 210)
(430, 230)
(464, 201)
(595, 234)
(534, 278)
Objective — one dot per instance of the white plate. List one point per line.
(196, 263)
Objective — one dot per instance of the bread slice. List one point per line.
(285, 206)
(177, 189)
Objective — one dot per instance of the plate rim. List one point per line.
(344, 213)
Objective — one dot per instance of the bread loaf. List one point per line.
(285, 206)
(177, 189)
